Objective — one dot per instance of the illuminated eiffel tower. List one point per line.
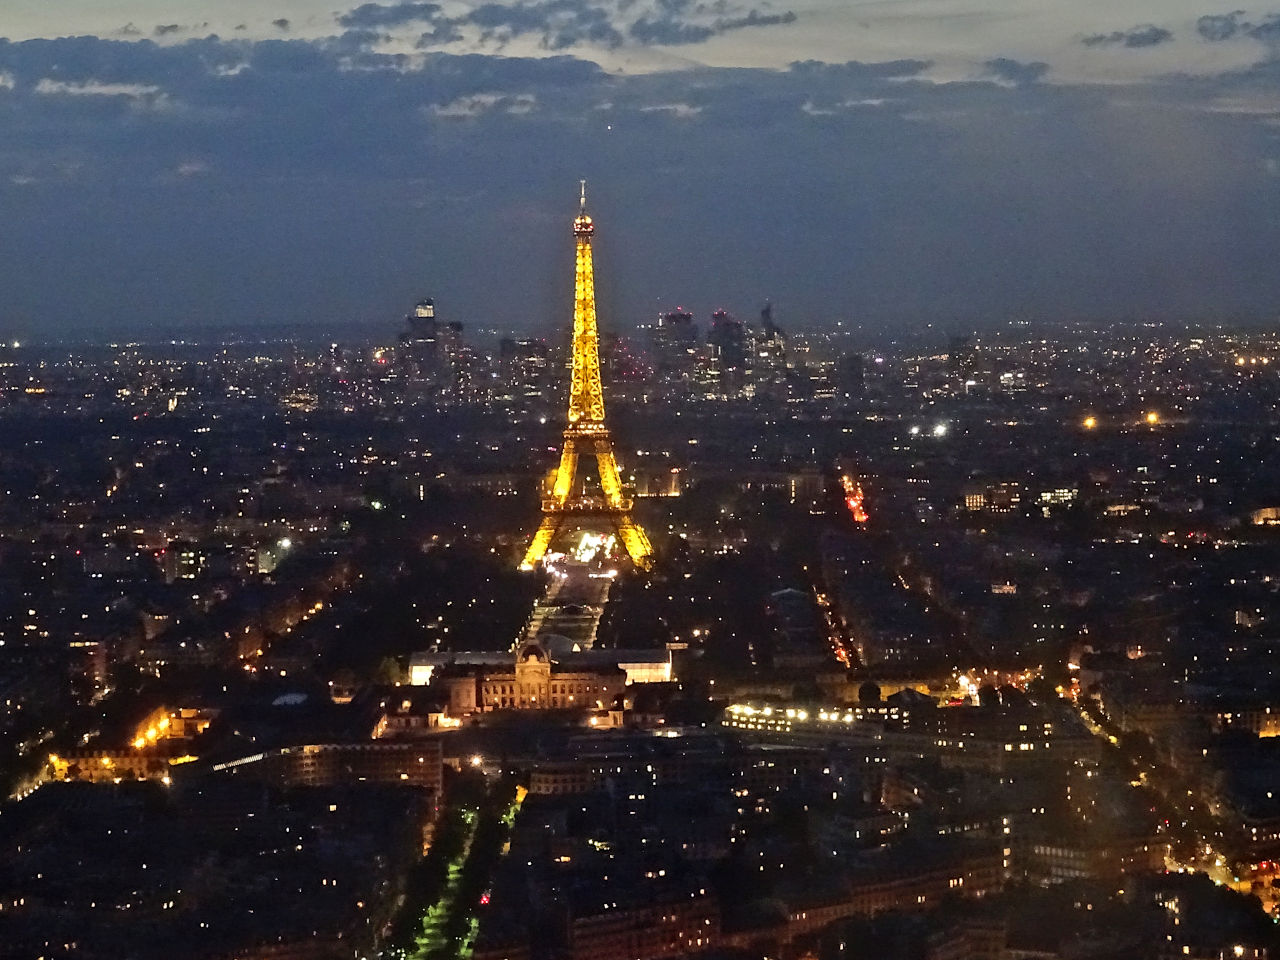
(586, 429)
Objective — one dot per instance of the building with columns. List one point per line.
(535, 681)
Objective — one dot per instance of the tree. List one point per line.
(388, 672)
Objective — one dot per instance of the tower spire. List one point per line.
(586, 426)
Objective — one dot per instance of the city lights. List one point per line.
(852, 636)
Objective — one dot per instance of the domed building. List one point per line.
(536, 681)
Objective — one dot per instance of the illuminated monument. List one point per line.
(586, 429)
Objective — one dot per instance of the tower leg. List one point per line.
(541, 541)
(565, 474)
(635, 540)
(610, 481)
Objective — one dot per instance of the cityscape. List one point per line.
(824, 649)
(639, 480)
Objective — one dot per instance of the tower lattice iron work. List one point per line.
(586, 429)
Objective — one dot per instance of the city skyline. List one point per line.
(931, 647)
(892, 167)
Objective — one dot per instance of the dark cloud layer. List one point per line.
(217, 181)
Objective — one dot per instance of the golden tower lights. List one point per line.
(586, 428)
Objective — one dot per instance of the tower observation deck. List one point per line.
(586, 429)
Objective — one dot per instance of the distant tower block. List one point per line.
(586, 429)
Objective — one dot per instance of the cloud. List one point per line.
(444, 33)
(560, 24)
(1220, 26)
(683, 111)
(755, 19)
(668, 32)
(813, 110)
(389, 15)
(1015, 72)
(1146, 35)
(281, 24)
(478, 104)
(1217, 28)
(166, 29)
(858, 70)
(672, 30)
(93, 88)
(564, 24)
(1268, 31)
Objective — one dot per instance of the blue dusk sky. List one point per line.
(176, 164)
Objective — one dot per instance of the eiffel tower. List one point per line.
(586, 430)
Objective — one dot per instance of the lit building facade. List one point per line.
(534, 683)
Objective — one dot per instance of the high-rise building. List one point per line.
(676, 331)
(728, 336)
(851, 381)
(769, 359)
(675, 349)
(435, 355)
(525, 367)
(730, 349)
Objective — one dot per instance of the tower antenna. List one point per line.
(582, 200)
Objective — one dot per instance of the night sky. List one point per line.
(171, 165)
